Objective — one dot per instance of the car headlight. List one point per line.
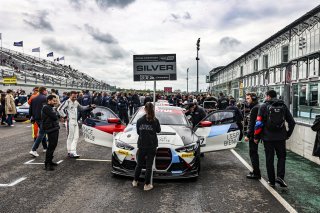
(123, 145)
(189, 148)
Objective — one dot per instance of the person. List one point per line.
(252, 100)
(35, 112)
(113, 103)
(222, 102)
(238, 115)
(271, 129)
(197, 113)
(10, 107)
(136, 102)
(34, 125)
(130, 102)
(51, 126)
(147, 99)
(147, 128)
(123, 108)
(54, 92)
(3, 108)
(68, 111)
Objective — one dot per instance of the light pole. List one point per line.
(187, 80)
(197, 58)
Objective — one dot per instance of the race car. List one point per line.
(180, 146)
(22, 112)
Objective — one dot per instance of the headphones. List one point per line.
(253, 96)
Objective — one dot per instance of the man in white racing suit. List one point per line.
(68, 111)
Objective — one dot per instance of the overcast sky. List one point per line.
(99, 37)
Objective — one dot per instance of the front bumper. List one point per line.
(174, 171)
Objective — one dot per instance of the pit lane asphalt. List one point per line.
(82, 186)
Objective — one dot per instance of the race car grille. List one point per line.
(163, 158)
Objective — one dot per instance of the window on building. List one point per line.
(265, 62)
(255, 65)
(241, 71)
(285, 54)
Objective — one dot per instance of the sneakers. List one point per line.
(271, 184)
(12, 125)
(49, 167)
(147, 187)
(251, 175)
(44, 150)
(34, 153)
(281, 182)
(73, 155)
(134, 183)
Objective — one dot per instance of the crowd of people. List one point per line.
(258, 122)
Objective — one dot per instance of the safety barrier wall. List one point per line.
(302, 142)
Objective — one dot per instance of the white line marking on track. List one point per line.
(97, 160)
(265, 184)
(28, 126)
(30, 162)
(13, 183)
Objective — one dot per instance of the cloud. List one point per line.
(99, 36)
(175, 17)
(104, 4)
(229, 42)
(77, 4)
(238, 14)
(62, 48)
(38, 20)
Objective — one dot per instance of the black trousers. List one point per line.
(130, 110)
(123, 115)
(278, 147)
(141, 155)
(53, 141)
(240, 125)
(254, 157)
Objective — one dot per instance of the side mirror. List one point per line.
(205, 123)
(114, 120)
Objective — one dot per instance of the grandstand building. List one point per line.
(33, 71)
(287, 62)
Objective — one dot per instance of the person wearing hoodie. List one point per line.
(271, 129)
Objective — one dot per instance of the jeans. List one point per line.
(40, 137)
(53, 141)
(9, 119)
(141, 155)
(280, 148)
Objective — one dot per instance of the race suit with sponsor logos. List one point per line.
(69, 110)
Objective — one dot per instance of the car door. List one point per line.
(100, 126)
(219, 130)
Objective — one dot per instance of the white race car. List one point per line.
(180, 146)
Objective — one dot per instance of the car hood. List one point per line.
(176, 136)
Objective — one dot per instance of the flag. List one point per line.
(50, 54)
(62, 58)
(18, 44)
(36, 50)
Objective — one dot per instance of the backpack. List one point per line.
(276, 116)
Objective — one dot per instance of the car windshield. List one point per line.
(165, 115)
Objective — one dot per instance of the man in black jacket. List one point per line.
(238, 114)
(50, 125)
(197, 113)
(271, 129)
(252, 100)
(223, 102)
(35, 112)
